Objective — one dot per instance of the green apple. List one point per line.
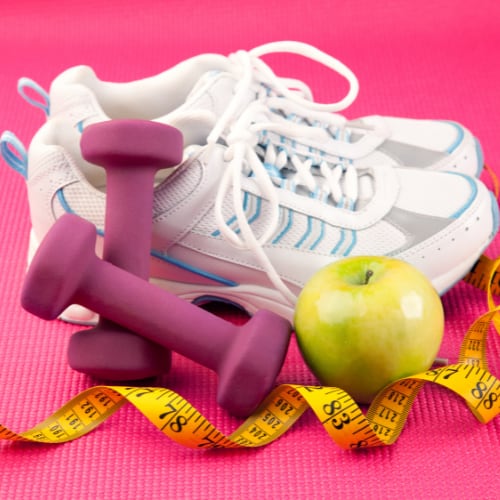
(364, 322)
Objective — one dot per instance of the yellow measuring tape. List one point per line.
(339, 414)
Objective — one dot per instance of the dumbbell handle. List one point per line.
(122, 235)
(155, 313)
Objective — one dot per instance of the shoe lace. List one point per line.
(248, 153)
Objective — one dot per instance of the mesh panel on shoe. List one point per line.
(379, 239)
(52, 167)
(177, 188)
(86, 203)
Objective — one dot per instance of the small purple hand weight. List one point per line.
(246, 358)
(131, 152)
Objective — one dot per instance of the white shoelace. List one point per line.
(339, 181)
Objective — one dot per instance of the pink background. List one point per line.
(436, 59)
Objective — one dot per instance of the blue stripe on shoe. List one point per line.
(479, 156)
(62, 200)
(228, 222)
(340, 242)
(285, 229)
(193, 269)
(495, 214)
(258, 206)
(472, 196)
(354, 240)
(233, 218)
(306, 234)
(319, 239)
(458, 139)
(166, 258)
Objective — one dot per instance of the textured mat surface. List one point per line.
(437, 59)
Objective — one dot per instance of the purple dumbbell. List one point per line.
(246, 358)
(131, 152)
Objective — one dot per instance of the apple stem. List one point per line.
(368, 275)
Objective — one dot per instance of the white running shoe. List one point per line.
(238, 223)
(215, 87)
(273, 185)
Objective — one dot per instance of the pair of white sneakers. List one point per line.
(273, 185)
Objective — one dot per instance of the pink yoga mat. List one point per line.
(434, 59)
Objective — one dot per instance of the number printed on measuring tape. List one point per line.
(485, 274)
(341, 417)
